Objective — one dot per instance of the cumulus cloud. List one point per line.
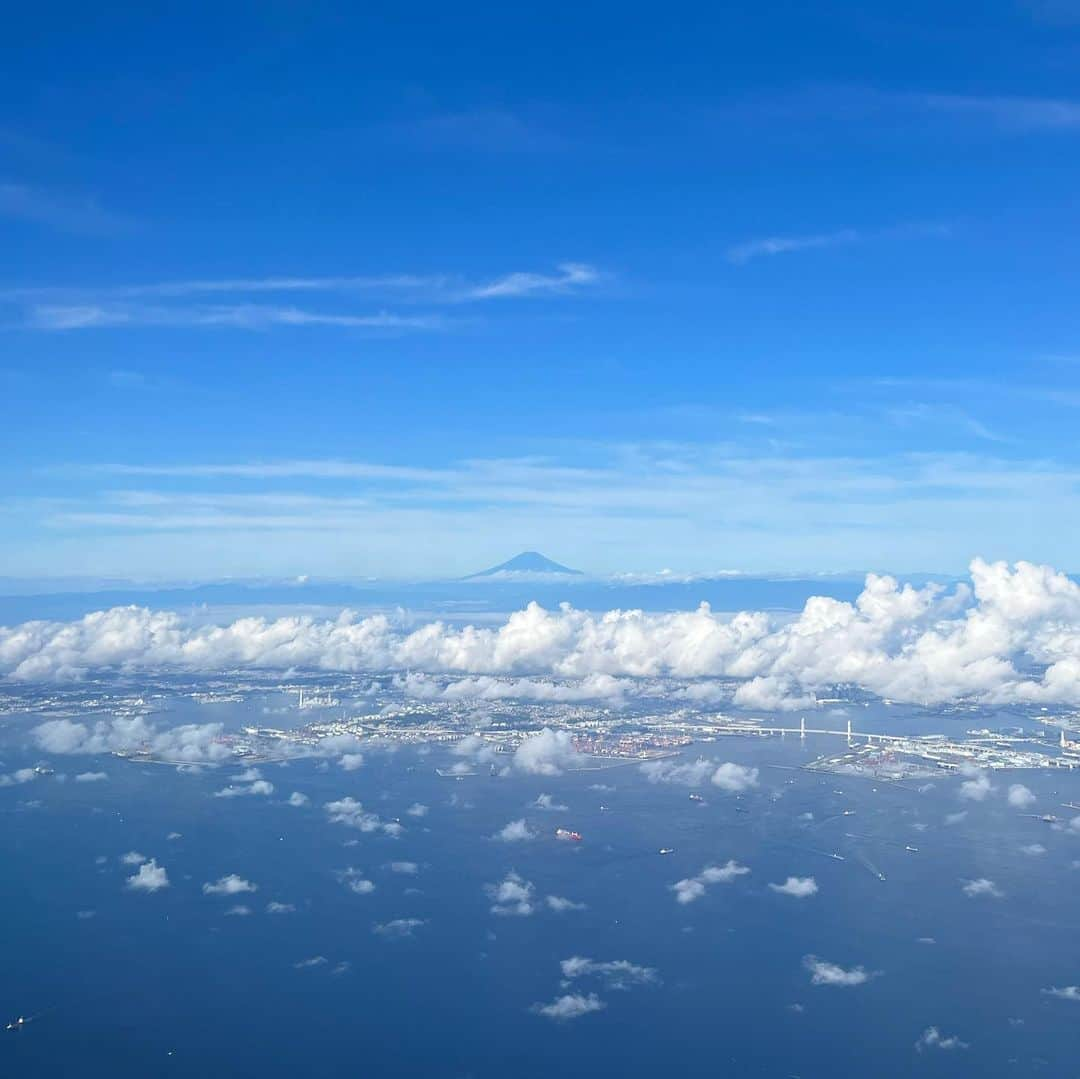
(351, 761)
(150, 877)
(17, 778)
(233, 884)
(351, 813)
(687, 774)
(570, 1006)
(977, 788)
(258, 787)
(547, 753)
(398, 928)
(693, 888)
(417, 810)
(547, 803)
(560, 905)
(1009, 635)
(297, 799)
(797, 887)
(274, 907)
(512, 896)
(981, 886)
(355, 881)
(824, 973)
(727, 776)
(91, 777)
(133, 857)
(1020, 796)
(615, 973)
(932, 1038)
(193, 743)
(1064, 992)
(734, 777)
(516, 831)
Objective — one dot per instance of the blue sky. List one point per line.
(306, 289)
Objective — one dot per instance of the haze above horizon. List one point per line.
(349, 293)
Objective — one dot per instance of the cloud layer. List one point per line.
(1011, 636)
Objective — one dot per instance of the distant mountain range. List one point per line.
(528, 562)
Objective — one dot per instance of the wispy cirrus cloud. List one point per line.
(769, 246)
(57, 210)
(1016, 114)
(783, 245)
(240, 317)
(570, 275)
(188, 303)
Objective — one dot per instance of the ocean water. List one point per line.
(169, 984)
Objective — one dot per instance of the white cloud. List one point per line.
(351, 761)
(735, 777)
(615, 973)
(547, 753)
(688, 774)
(727, 776)
(91, 777)
(797, 887)
(547, 802)
(258, 787)
(133, 857)
(512, 896)
(408, 868)
(239, 911)
(150, 877)
(981, 886)
(248, 316)
(561, 905)
(274, 907)
(1011, 636)
(976, 789)
(516, 831)
(570, 1006)
(1064, 992)
(17, 778)
(1033, 850)
(417, 810)
(398, 928)
(693, 888)
(297, 799)
(932, 1038)
(190, 742)
(232, 884)
(571, 275)
(782, 245)
(1020, 796)
(310, 964)
(688, 889)
(351, 813)
(824, 973)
